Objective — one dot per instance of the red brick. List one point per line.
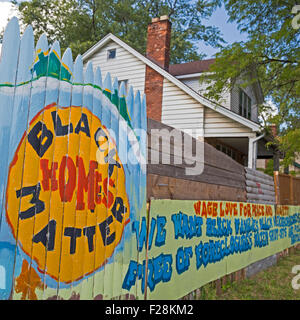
(158, 51)
(158, 43)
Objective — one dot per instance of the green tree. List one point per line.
(270, 56)
(269, 168)
(64, 20)
(81, 23)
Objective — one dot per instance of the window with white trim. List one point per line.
(111, 54)
(244, 104)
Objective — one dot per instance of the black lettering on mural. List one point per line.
(37, 136)
(105, 231)
(73, 233)
(85, 128)
(112, 162)
(118, 209)
(47, 236)
(39, 205)
(59, 129)
(89, 232)
(100, 133)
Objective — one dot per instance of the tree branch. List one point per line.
(276, 60)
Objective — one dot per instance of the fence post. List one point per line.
(147, 249)
(218, 287)
(291, 190)
(276, 184)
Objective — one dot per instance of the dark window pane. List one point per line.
(249, 108)
(111, 54)
(241, 102)
(244, 105)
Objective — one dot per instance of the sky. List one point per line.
(6, 12)
(229, 31)
(219, 19)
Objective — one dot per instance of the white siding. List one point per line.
(180, 110)
(200, 87)
(229, 100)
(217, 125)
(192, 83)
(124, 66)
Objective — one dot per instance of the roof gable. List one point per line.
(204, 101)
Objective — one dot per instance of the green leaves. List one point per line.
(57, 18)
(81, 23)
(270, 57)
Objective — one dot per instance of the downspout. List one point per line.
(252, 154)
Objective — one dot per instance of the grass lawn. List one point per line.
(273, 283)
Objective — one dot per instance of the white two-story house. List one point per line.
(175, 95)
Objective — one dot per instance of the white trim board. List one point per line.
(205, 102)
(230, 135)
(190, 76)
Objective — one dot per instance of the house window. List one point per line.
(233, 156)
(227, 150)
(111, 54)
(244, 104)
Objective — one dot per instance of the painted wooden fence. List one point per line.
(260, 187)
(222, 178)
(192, 243)
(287, 189)
(72, 174)
(73, 190)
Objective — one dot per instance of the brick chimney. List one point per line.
(158, 51)
(158, 41)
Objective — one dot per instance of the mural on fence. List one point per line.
(72, 175)
(192, 243)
